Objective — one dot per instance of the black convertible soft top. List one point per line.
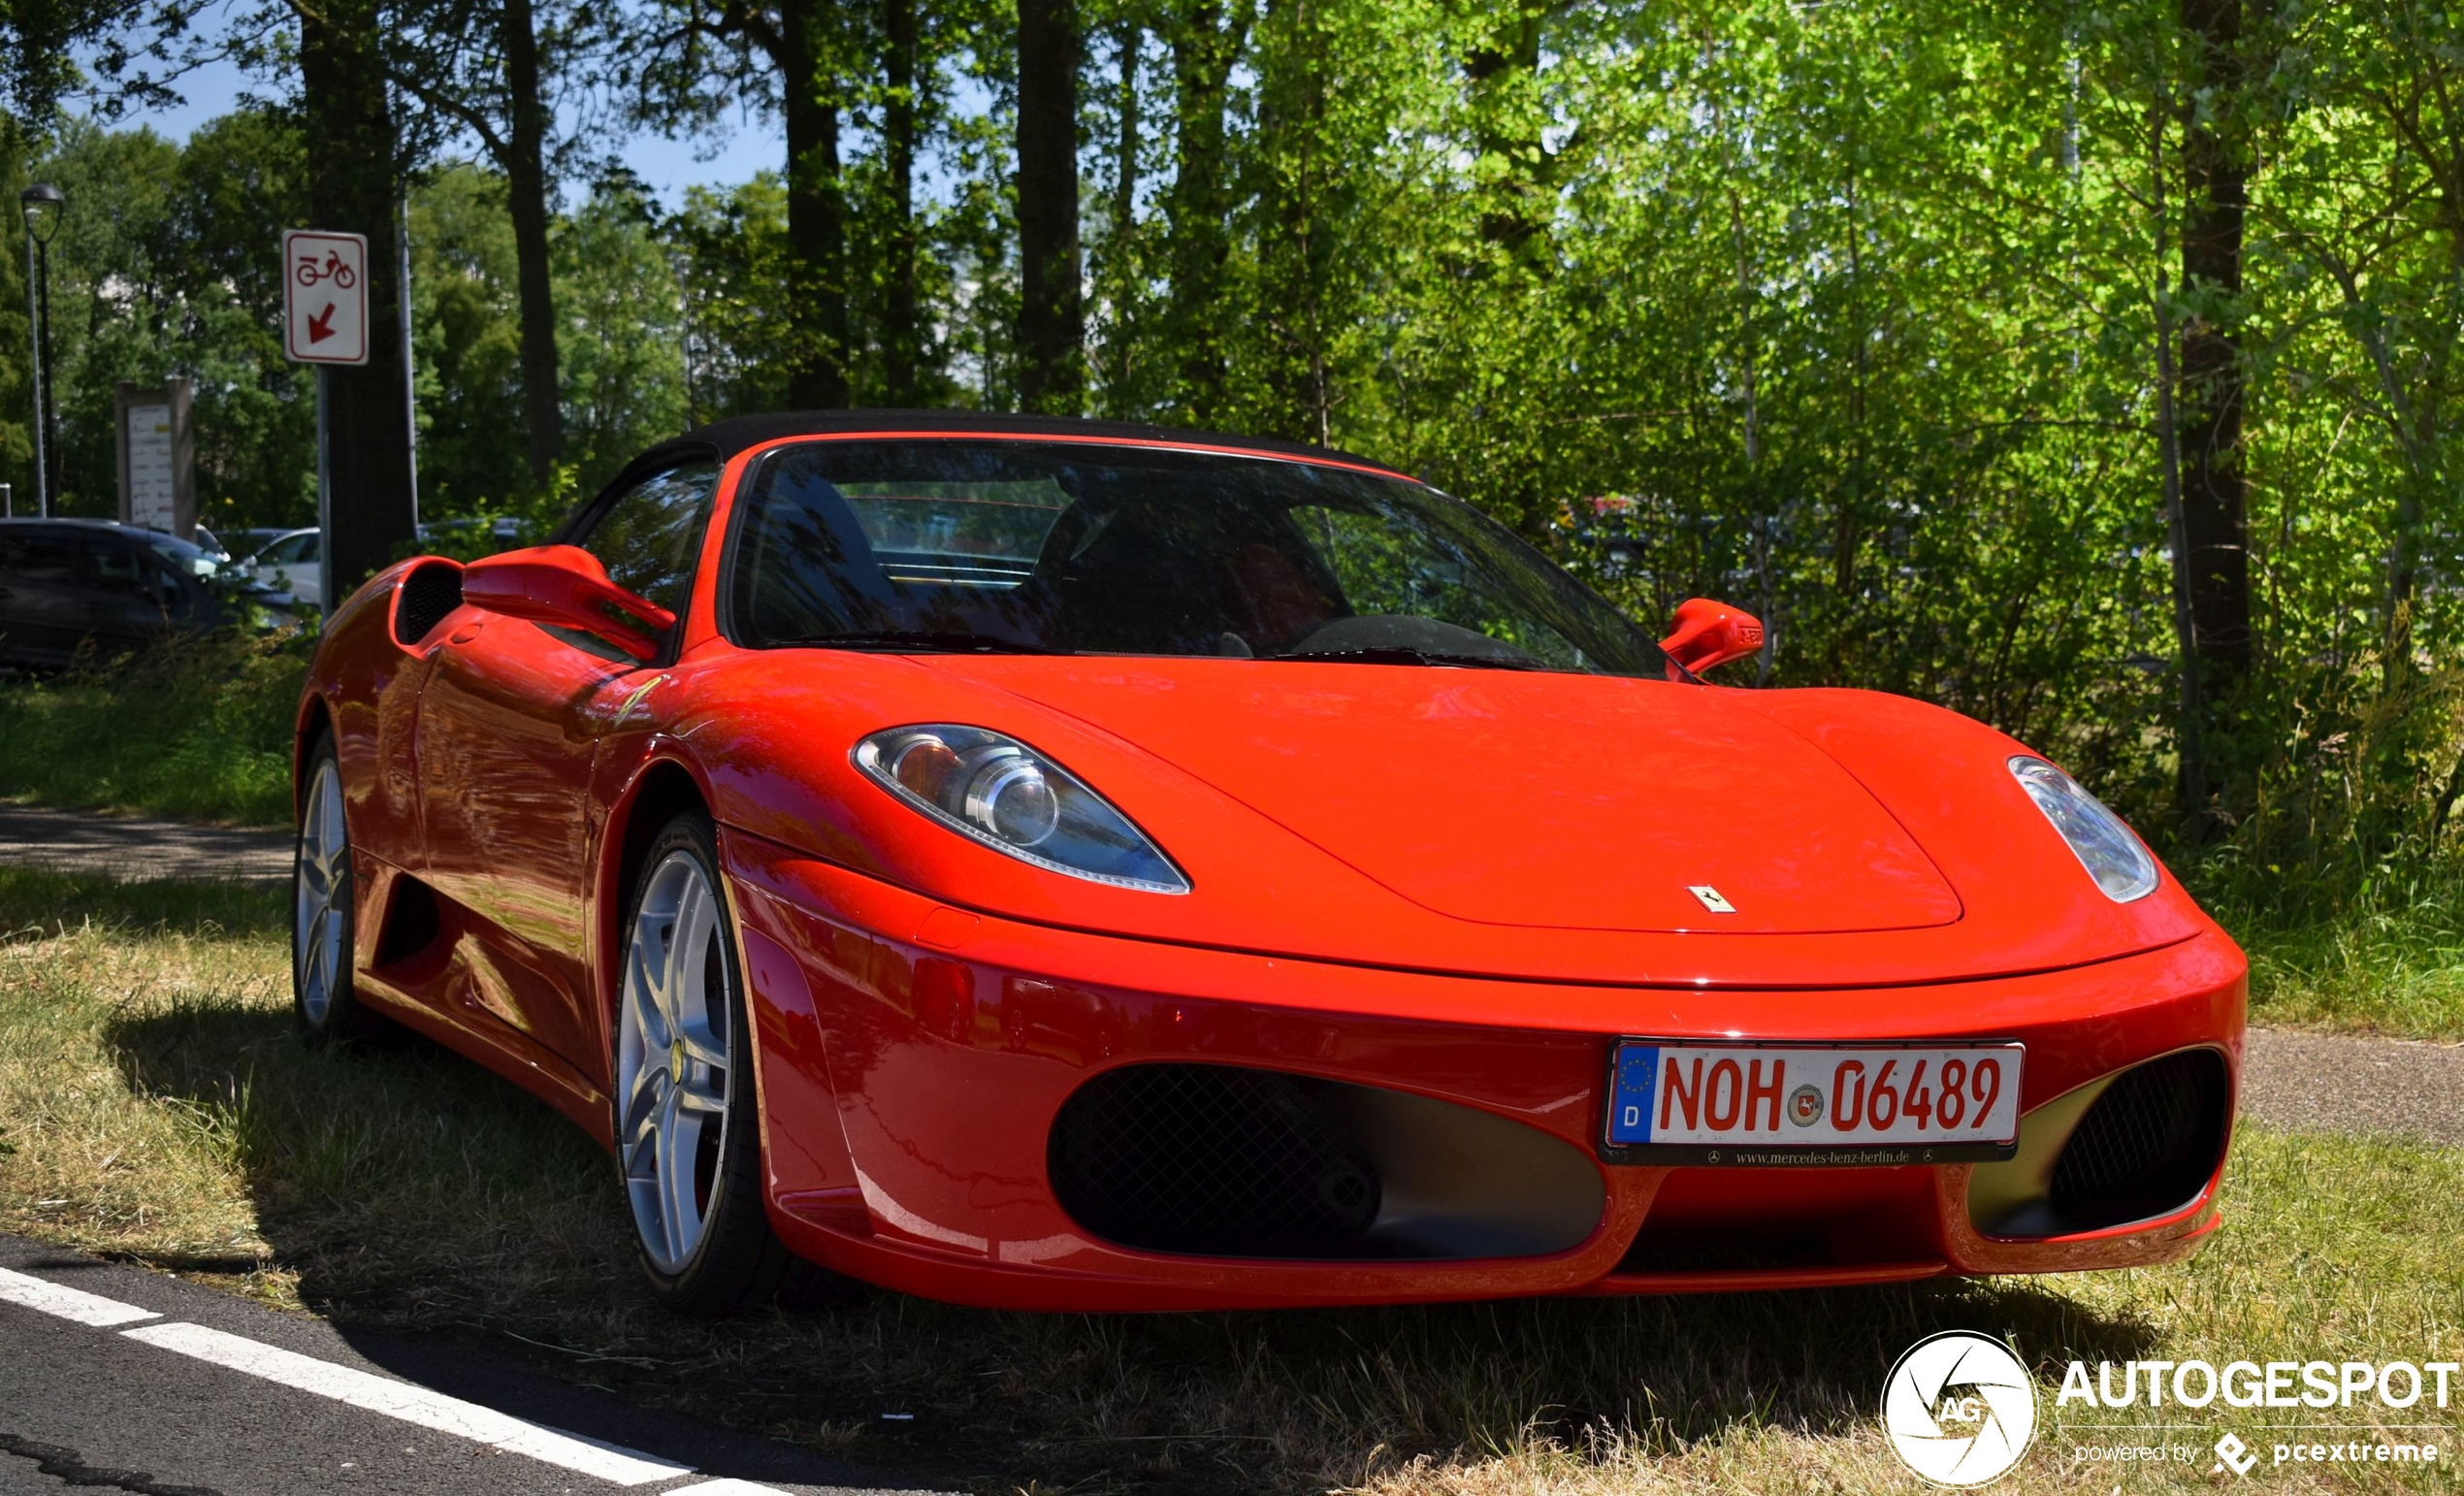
(725, 439)
(735, 434)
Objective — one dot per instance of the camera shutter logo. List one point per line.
(1959, 1409)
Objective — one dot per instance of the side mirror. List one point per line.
(565, 586)
(1708, 634)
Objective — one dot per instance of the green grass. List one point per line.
(2398, 972)
(36, 902)
(154, 1105)
(199, 729)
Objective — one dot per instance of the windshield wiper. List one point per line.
(938, 641)
(1396, 654)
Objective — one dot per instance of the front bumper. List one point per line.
(913, 1059)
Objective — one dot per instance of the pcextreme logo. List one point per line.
(1959, 1409)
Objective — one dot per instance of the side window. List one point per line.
(116, 570)
(38, 557)
(651, 536)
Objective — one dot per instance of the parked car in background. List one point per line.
(293, 562)
(68, 585)
(472, 537)
(244, 543)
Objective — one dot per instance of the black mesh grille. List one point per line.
(1212, 1159)
(2147, 1144)
(426, 595)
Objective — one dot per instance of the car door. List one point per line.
(126, 603)
(42, 610)
(508, 730)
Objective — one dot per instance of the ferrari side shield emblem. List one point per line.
(1712, 898)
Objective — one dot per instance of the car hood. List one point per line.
(1537, 827)
(1537, 799)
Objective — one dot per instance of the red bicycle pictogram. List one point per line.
(331, 268)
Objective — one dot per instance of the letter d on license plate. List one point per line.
(1748, 1104)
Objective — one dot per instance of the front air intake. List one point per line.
(1230, 1161)
(2148, 1144)
(1213, 1159)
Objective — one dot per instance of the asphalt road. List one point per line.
(117, 1379)
(134, 849)
(2341, 1083)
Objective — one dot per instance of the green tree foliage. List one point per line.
(163, 266)
(1885, 320)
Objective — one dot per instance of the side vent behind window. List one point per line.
(423, 599)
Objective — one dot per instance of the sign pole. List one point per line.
(411, 390)
(34, 335)
(324, 489)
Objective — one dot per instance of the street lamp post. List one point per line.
(44, 205)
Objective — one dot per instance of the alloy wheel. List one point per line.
(671, 1060)
(320, 895)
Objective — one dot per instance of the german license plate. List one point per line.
(1749, 1104)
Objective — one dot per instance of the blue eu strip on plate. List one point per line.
(1629, 1096)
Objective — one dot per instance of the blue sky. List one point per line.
(667, 166)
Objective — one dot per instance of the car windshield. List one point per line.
(1064, 548)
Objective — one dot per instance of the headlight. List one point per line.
(2104, 846)
(1014, 799)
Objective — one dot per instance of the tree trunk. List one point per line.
(1051, 330)
(816, 208)
(1294, 261)
(2216, 175)
(2190, 779)
(1204, 50)
(1133, 40)
(526, 199)
(353, 179)
(901, 339)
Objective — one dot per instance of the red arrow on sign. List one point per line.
(321, 326)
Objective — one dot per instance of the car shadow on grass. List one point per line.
(410, 1191)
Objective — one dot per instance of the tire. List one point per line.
(324, 1003)
(688, 1121)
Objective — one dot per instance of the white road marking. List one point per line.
(50, 1298)
(410, 1403)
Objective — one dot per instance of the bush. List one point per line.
(196, 728)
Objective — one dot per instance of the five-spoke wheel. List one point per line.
(671, 1059)
(321, 996)
(688, 1144)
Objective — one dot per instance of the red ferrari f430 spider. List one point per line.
(1053, 865)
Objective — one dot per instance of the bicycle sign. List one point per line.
(324, 297)
(333, 268)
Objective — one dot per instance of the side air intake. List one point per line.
(2131, 1147)
(423, 598)
(2148, 1144)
